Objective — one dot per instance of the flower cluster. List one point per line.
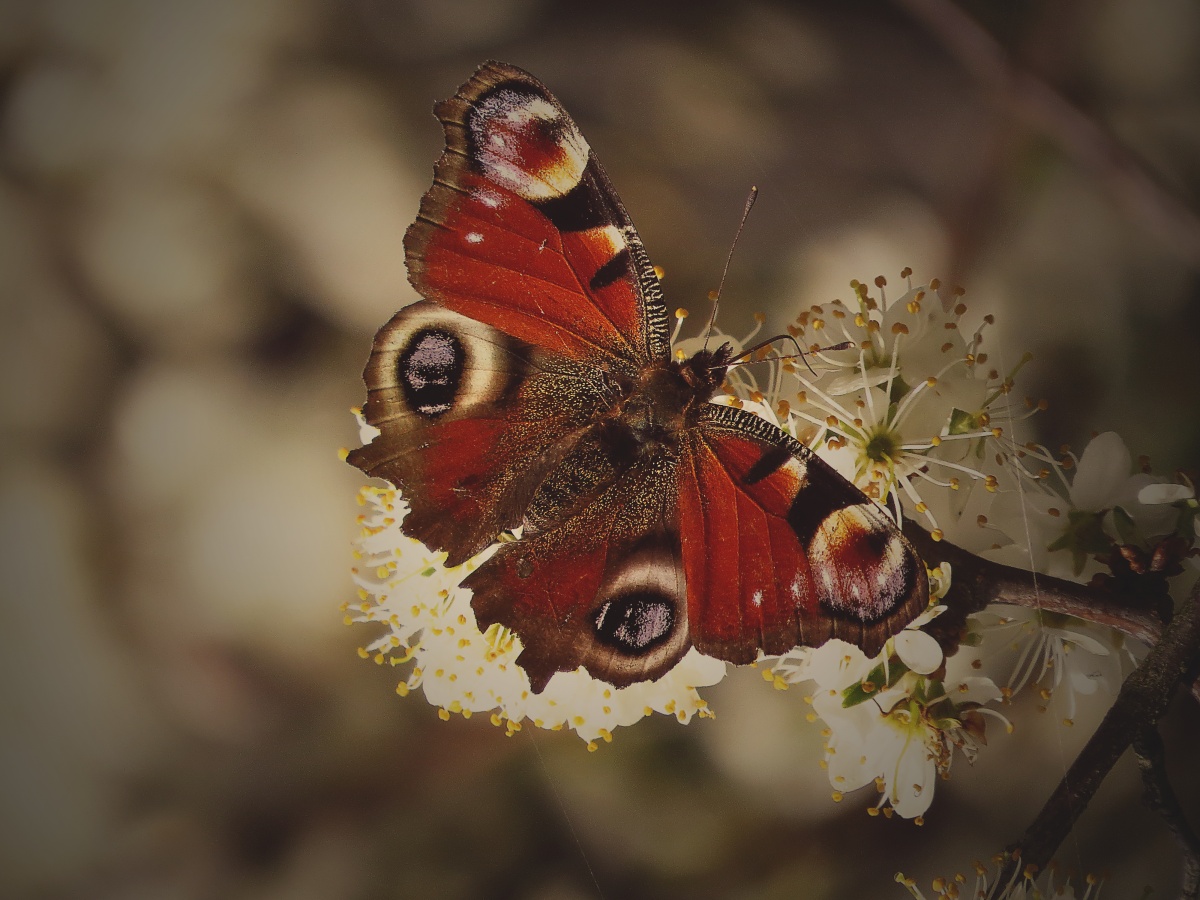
(901, 397)
(894, 720)
(895, 395)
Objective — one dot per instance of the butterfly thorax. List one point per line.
(667, 396)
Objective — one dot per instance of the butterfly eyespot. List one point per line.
(524, 567)
(524, 143)
(635, 622)
(430, 371)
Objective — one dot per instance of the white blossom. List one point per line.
(889, 720)
(1053, 653)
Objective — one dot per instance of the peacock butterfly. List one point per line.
(534, 387)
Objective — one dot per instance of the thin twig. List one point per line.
(1160, 797)
(1141, 702)
(1042, 107)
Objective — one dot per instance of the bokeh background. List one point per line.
(201, 211)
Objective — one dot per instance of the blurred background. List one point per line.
(201, 211)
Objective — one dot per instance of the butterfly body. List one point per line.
(534, 388)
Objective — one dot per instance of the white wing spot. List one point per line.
(795, 588)
(609, 237)
(487, 198)
(757, 599)
(474, 237)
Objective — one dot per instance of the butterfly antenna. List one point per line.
(716, 297)
(800, 353)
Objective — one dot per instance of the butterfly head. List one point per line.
(705, 371)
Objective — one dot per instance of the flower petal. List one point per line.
(1103, 469)
(918, 650)
(1165, 492)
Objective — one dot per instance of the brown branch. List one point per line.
(1141, 702)
(1160, 797)
(1040, 106)
(977, 582)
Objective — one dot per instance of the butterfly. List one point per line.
(534, 388)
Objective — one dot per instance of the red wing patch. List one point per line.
(499, 260)
(747, 574)
(780, 550)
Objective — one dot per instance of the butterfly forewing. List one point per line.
(523, 231)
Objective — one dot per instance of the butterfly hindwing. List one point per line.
(596, 579)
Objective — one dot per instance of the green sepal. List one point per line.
(1127, 529)
(1083, 537)
(962, 422)
(856, 693)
